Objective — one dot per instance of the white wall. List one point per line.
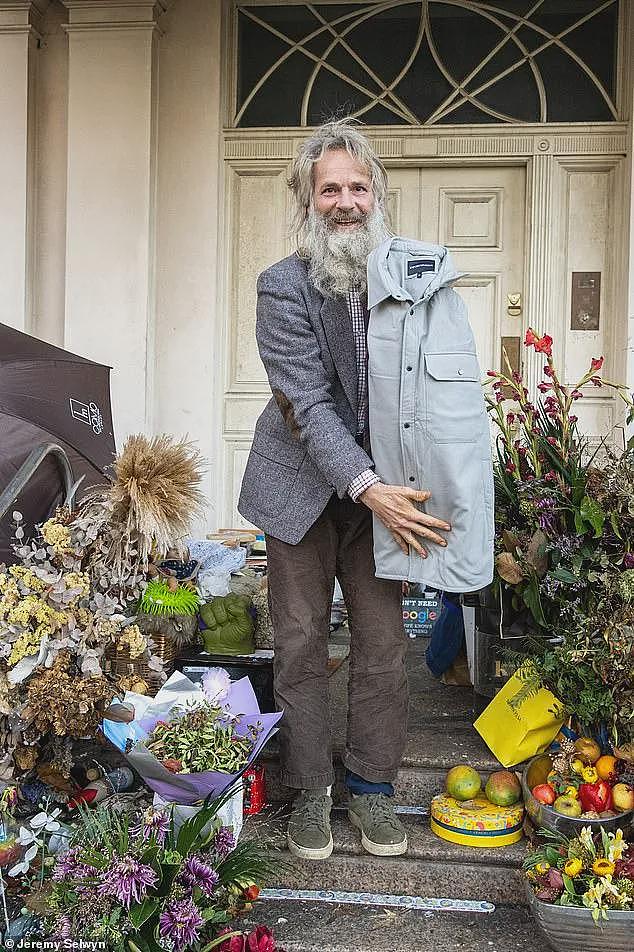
(50, 199)
(187, 365)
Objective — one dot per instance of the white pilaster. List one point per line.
(110, 196)
(20, 21)
(541, 261)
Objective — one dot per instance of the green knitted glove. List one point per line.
(228, 625)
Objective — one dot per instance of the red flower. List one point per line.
(597, 381)
(544, 387)
(531, 337)
(548, 370)
(261, 940)
(491, 373)
(551, 440)
(550, 476)
(510, 417)
(251, 893)
(573, 419)
(544, 345)
(596, 363)
(510, 467)
(576, 394)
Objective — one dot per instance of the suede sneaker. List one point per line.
(382, 833)
(309, 835)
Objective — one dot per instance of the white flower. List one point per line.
(25, 862)
(45, 822)
(216, 684)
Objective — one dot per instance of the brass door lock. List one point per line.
(514, 304)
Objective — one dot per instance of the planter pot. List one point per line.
(572, 928)
(543, 816)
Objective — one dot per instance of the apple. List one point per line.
(587, 750)
(623, 797)
(544, 793)
(567, 806)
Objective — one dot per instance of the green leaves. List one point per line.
(589, 516)
(141, 912)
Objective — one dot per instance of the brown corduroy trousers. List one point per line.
(301, 583)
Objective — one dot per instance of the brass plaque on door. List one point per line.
(514, 304)
(586, 300)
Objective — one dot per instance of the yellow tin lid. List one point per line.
(476, 822)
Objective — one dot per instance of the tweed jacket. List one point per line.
(427, 414)
(304, 447)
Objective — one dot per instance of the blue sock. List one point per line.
(357, 785)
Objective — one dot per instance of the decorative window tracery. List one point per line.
(427, 62)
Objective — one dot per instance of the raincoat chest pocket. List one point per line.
(455, 411)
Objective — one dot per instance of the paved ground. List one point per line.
(317, 927)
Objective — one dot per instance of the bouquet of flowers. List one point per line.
(191, 741)
(143, 887)
(565, 542)
(594, 871)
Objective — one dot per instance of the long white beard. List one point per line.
(338, 260)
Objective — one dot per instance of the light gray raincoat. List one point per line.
(428, 421)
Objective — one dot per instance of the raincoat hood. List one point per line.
(408, 270)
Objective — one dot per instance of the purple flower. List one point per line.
(224, 842)
(195, 873)
(180, 922)
(69, 866)
(154, 823)
(628, 560)
(127, 880)
(63, 929)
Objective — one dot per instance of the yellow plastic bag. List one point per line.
(517, 731)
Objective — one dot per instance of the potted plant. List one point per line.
(565, 545)
(581, 891)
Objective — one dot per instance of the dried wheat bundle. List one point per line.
(151, 504)
(156, 493)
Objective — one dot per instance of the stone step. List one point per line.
(325, 927)
(429, 754)
(431, 867)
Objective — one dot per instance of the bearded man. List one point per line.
(310, 485)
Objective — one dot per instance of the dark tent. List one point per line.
(49, 396)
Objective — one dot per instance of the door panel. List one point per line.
(479, 213)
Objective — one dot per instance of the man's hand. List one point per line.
(394, 506)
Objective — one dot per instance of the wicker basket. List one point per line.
(120, 663)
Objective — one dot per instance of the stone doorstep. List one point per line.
(431, 867)
(324, 927)
(407, 876)
(429, 754)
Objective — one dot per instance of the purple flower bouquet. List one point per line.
(240, 714)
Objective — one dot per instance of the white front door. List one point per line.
(479, 214)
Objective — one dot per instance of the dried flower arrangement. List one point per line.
(73, 594)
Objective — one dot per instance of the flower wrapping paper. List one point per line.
(178, 691)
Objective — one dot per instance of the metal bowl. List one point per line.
(571, 928)
(543, 816)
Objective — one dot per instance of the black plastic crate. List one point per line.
(258, 669)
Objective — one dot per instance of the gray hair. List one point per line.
(335, 135)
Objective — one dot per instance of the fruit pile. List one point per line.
(586, 783)
(502, 788)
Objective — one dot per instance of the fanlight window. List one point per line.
(431, 62)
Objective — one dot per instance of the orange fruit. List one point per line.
(606, 767)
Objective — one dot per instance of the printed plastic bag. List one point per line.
(516, 728)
